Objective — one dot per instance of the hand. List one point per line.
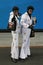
(10, 24)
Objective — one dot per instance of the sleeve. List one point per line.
(11, 16)
(23, 20)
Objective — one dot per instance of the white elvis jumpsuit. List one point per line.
(15, 34)
(25, 22)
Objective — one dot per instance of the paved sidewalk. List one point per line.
(6, 39)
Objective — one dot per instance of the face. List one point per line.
(16, 12)
(30, 11)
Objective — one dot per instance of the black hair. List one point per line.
(15, 8)
(30, 7)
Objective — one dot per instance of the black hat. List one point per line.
(15, 8)
(30, 7)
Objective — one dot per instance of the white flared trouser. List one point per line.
(14, 45)
(25, 49)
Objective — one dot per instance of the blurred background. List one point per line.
(6, 7)
(6, 38)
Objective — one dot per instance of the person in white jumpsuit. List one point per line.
(26, 22)
(15, 34)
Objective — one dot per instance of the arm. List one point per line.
(23, 20)
(10, 23)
